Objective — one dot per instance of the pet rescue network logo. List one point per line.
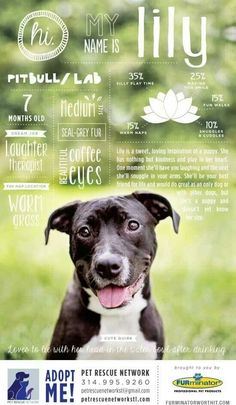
(42, 35)
(23, 386)
(197, 382)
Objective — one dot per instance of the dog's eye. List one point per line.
(84, 232)
(133, 225)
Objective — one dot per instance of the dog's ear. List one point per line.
(61, 219)
(159, 207)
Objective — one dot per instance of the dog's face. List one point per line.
(21, 375)
(112, 242)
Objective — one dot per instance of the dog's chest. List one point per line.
(120, 336)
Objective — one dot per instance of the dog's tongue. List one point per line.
(112, 296)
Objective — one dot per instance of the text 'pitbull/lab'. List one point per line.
(108, 312)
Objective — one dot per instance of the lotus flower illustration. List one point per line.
(170, 106)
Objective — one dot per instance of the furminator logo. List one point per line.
(197, 382)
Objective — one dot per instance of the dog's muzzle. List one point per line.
(114, 296)
(109, 266)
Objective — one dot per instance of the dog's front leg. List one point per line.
(152, 327)
(75, 327)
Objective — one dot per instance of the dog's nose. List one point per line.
(109, 267)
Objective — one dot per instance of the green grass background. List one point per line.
(193, 282)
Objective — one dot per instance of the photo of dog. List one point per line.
(112, 245)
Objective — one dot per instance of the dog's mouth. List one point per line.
(113, 296)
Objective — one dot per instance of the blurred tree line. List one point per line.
(220, 69)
